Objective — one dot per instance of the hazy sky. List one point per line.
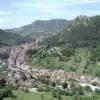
(15, 13)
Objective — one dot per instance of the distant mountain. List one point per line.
(41, 27)
(82, 28)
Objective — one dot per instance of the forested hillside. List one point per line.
(76, 49)
(83, 29)
(10, 39)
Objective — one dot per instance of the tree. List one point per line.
(2, 82)
(65, 85)
(53, 84)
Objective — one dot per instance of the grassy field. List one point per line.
(34, 96)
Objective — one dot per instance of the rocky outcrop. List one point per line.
(81, 19)
(17, 64)
(17, 55)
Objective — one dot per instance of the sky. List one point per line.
(16, 13)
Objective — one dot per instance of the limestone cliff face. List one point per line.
(18, 73)
(17, 54)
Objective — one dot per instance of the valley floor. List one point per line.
(35, 96)
(48, 96)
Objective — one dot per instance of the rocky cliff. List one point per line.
(18, 70)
